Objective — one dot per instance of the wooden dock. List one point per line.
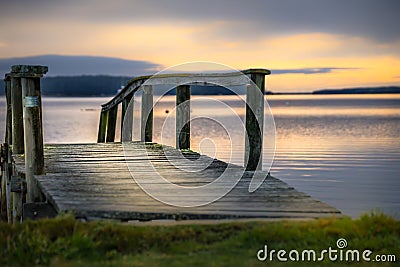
(94, 181)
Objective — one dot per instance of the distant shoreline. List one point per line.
(107, 86)
(358, 90)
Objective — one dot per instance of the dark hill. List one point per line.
(361, 90)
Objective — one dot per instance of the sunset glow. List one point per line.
(357, 53)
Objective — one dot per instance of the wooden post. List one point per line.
(4, 153)
(147, 114)
(111, 123)
(17, 116)
(6, 197)
(101, 137)
(7, 83)
(7, 175)
(33, 129)
(183, 117)
(255, 119)
(3, 161)
(17, 198)
(127, 119)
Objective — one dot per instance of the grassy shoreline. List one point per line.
(64, 241)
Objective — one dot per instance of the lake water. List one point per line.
(341, 149)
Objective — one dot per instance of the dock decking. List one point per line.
(93, 181)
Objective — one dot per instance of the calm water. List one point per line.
(343, 150)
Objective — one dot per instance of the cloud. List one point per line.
(309, 70)
(83, 65)
(377, 20)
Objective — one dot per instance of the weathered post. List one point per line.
(4, 152)
(183, 117)
(7, 87)
(111, 123)
(101, 137)
(3, 155)
(127, 119)
(255, 118)
(17, 115)
(6, 195)
(147, 114)
(18, 190)
(33, 129)
(6, 183)
(15, 197)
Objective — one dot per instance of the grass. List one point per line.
(64, 241)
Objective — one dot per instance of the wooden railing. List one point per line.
(254, 108)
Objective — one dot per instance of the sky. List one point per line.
(308, 44)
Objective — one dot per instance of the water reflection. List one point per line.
(341, 149)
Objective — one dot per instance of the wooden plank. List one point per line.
(88, 187)
(40, 210)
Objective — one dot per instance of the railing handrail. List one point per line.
(182, 78)
(182, 83)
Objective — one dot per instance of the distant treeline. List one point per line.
(361, 90)
(103, 85)
(80, 86)
(100, 85)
